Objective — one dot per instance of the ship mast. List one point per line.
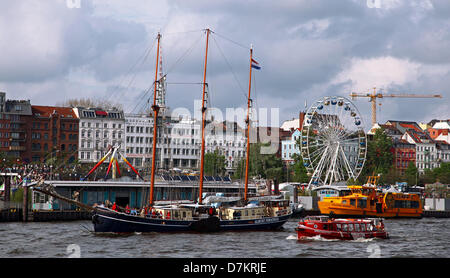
(202, 154)
(247, 121)
(155, 109)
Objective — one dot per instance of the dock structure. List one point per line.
(132, 193)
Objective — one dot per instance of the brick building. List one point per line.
(5, 123)
(14, 127)
(53, 133)
(404, 153)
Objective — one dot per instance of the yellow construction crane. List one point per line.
(373, 98)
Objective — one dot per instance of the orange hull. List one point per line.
(341, 211)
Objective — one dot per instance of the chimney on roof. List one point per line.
(301, 118)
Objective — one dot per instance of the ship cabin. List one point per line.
(174, 213)
(276, 207)
(242, 213)
(361, 197)
(181, 212)
(344, 225)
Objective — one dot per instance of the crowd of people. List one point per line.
(33, 172)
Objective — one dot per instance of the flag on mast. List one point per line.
(255, 65)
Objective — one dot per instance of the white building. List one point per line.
(99, 129)
(182, 145)
(289, 147)
(138, 139)
(290, 124)
(177, 146)
(426, 151)
(229, 140)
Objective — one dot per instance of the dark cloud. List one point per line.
(303, 46)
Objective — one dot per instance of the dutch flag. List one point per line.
(255, 65)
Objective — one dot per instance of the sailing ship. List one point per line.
(257, 213)
(236, 216)
(173, 218)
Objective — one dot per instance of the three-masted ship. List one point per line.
(244, 215)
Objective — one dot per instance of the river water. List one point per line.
(409, 238)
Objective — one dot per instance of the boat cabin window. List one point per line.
(406, 204)
(362, 203)
(325, 226)
(357, 227)
(344, 227)
(184, 214)
(344, 202)
(363, 227)
(350, 227)
(338, 227)
(353, 202)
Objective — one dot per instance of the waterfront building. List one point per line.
(291, 125)
(403, 153)
(177, 146)
(5, 123)
(14, 119)
(54, 133)
(404, 126)
(138, 139)
(289, 147)
(227, 139)
(98, 130)
(182, 146)
(443, 152)
(426, 151)
(440, 131)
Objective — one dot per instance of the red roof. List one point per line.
(47, 111)
(410, 126)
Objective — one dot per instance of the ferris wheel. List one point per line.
(333, 141)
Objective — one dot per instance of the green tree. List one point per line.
(428, 176)
(214, 164)
(379, 156)
(300, 172)
(261, 165)
(442, 173)
(411, 174)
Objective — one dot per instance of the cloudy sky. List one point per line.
(55, 50)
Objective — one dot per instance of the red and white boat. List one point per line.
(350, 229)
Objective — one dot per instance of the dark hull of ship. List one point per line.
(267, 223)
(106, 221)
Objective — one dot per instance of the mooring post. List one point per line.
(25, 204)
(276, 186)
(295, 194)
(7, 192)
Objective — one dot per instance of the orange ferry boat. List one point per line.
(366, 201)
(349, 229)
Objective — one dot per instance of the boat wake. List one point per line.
(292, 237)
(319, 238)
(314, 238)
(363, 239)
